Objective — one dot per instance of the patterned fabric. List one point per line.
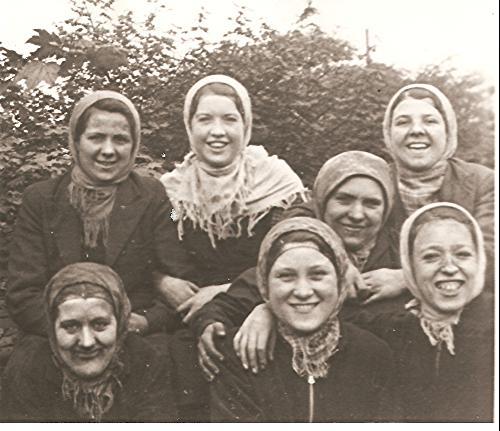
(310, 352)
(343, 167)
(218, 199)
(421, 188)
(94, 202)
(438, 330)
(91, 398)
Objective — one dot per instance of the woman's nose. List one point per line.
(108, 148)
(87, 338)
(302, 289)
(356, 212)
(217, 128)
(417, 127)
(449, 267)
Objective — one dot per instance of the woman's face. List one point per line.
(86, 335)
(302, 287)
(445, 265)
(217, 131)
(355, 211)
(105, 146)
(418, 134)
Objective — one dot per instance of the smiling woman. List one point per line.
(90, 368)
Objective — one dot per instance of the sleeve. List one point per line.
(299, 209)
(232, 396)
(152, 398)
(28, 264)
(231, 307)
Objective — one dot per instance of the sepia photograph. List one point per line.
(249, 211)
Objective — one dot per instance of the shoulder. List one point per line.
(462, 168)
(149, 185)
(361, 340)
(140, 353)
(44, 189)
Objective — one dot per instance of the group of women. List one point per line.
(368, 299)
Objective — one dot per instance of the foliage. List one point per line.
(311, 96)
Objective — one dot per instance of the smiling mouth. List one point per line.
(106, 164)
(87, 355)
(217, 145)
(352, 228)
(304, 308)
(419, 146)
(449, 287)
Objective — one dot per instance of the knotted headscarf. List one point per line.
(339, 169)
(91, 398)
(439, 330)
(217, 200)
(94, 201)
(311, 352)
(420, 188)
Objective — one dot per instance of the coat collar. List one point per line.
(128, 209)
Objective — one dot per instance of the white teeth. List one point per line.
(304, 307)
(449, 286)
(217, 144)
(418, 146)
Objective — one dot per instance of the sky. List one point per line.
(406, 33)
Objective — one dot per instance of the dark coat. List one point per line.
(32, 386)
(469, 185)
(356, 389)
(48, 236)
(431, 384)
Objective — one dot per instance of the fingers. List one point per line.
(208, 367)
(193, 287)
(186, 305)
(373, 298)
(187, 318)
(261, 349)
(208, 341)
(271, 344)
(239, 344)
(251, 349)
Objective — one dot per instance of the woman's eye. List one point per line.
(100, 325)
(232, 119)
(285, 276)
(401, 122)
(318, 275)
(122, 139)
(70, 327)
(464, 254)
(431, 257)
(431, 121)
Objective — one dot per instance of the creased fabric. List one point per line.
(91, 398)
(417, 189)
(339, 169)
(217, 200)
(94, 202)
(438, 330)
(311, 352)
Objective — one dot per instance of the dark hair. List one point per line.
(218, 89)
(299, 237)
(419, 94)
(109, 105)
(439, 213)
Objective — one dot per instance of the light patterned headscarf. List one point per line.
(217, 200)
(94, 201)
(91, 398)
(420, 188)
(339, 169)
(311, 352)
(439, 330)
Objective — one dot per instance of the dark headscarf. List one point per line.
(91, 398)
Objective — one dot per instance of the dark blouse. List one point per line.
(32, 386)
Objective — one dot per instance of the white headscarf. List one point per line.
(218, 199)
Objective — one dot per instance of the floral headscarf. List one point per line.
(218, 199)
(438, 330)
(94, 202)
(420, 188)
(312, 351)
(343, 167)
(91, 398)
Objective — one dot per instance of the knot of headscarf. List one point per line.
(91, 398)
(417, 189)
(311, 352)
(94, 202)
(341, 168)
(217, 200)
(438, 329)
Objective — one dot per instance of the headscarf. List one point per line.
(311, 351)
(343, 167)
(420, 188)
(94, 202)
(91, 398)
(438, 331)
(218, 199)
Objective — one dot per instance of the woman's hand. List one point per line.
(137, 324)
(384, 283)
(254, 342)
(175, 291)
(199, 299)
(207, 351)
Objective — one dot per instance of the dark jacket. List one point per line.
(32, 386)
(48, 236)
(357, 387)
(431, 384)
(233, 306)
(469, 185)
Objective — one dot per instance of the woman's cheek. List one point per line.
(107, 337)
